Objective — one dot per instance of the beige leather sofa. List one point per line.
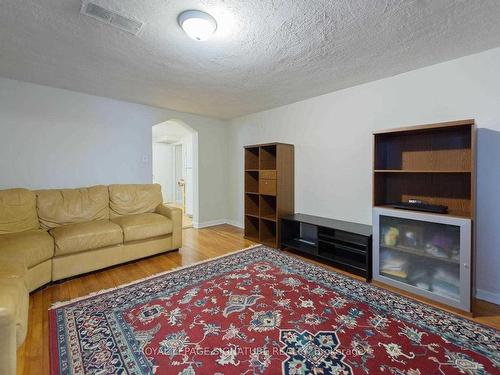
(48, 235)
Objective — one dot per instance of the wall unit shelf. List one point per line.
(269, 190)
(417, 252)
(434, 163)
(427, 254)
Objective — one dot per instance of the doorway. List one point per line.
(175, 167)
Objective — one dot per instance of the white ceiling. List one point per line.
(264, 54)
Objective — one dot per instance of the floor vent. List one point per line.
(111, 18)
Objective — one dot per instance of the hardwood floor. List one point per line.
(199, 244)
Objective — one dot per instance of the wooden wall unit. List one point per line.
(435, 163)
(269, 190)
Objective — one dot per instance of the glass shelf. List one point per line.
(423, 253)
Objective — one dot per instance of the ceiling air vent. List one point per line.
(111, 18)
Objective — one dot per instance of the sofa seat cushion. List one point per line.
(143, 226)
(75, 238)
(34, 246)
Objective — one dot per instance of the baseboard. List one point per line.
(488, 296)
(235, 223)
(210, 223)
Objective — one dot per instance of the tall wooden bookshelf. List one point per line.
(269, 190)
(435, 163)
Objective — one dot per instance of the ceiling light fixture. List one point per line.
(198, 25)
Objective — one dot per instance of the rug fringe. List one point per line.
(56, 305)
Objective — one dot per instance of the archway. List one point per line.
(175, 166)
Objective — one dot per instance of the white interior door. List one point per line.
(178, 173)
(162, 169)
(188, 175)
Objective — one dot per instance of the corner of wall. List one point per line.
(488, 296)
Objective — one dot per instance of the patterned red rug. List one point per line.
(260, 311)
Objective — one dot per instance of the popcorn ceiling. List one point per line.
(265, 53)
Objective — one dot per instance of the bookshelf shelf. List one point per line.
(252, 158)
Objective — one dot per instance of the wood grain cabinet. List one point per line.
(269, 190)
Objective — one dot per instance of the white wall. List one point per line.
(57, 138)
(333, 144)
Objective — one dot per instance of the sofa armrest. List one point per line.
(14, 302)
(174, 214)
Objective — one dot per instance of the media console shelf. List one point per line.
(345, 245)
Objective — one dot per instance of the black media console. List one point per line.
(347, 246)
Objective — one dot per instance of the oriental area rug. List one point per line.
(261, 311)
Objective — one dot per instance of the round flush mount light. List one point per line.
(198, 25)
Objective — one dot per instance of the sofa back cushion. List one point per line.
(17, 211)
(134, 199)
(58, 207)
